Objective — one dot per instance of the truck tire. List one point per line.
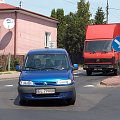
(88, 72)
(115, 72)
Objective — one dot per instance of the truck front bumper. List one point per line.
(98, 67)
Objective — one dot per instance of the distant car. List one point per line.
(45, 75)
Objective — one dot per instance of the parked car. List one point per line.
(45, 75)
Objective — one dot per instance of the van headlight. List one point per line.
(26, 82)
(64, 82)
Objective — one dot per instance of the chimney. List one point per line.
(2, 1)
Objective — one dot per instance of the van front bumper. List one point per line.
(61, 92)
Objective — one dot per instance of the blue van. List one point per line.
(45, 75)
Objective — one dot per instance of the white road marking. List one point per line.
(89, 86)
(8, 85)
(77, 73)
(76, 76)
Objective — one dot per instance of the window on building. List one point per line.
(47, 39)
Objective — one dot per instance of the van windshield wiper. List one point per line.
(52, 68)
(33, 68)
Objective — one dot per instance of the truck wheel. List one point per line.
(115, 72)
(88, 72)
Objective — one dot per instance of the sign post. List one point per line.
(116, 47)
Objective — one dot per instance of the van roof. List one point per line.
(48, 51)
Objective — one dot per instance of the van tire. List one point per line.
(72, 100)
(22, 102)
(88, 72)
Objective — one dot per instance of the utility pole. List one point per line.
(107, 13)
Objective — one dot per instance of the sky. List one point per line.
(45, 7)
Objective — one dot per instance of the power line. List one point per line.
(115, 16)
(114, 8)
(68, 1)
(36, 7)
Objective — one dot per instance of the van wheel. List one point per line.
(72, 100)
(22, 102)
(88, 72)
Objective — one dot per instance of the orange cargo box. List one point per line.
(106, 31)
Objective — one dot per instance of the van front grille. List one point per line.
(44, 83)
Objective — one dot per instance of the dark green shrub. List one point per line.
(13, 63)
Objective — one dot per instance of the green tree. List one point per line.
(72, 27)
(53, 13)
(59, 14)
(99, 16)
(75, 33)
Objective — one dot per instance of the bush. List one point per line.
(13, 63)
(1, 69)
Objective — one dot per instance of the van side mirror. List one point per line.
(18, 68)
(75, 66)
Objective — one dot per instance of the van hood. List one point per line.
(46, 75)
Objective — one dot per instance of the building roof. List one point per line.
(7, 7)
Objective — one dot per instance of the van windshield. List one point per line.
(98, 46)
(46, 61)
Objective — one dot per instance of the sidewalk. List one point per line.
(112, 81)
(9, 75)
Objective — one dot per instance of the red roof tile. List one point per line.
(6, 6)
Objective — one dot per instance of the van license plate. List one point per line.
(45, 91)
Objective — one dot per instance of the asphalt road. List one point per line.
(94, 102)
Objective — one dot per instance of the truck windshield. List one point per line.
(98, 46)
(46, 61)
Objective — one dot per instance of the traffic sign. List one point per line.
(8, 23)
(116, 44)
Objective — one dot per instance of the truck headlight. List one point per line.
(26, 82)
(85, 66)
(64, 82)
(110, 66)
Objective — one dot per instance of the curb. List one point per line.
(14, 78)
(113, 81)
(11, 75)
